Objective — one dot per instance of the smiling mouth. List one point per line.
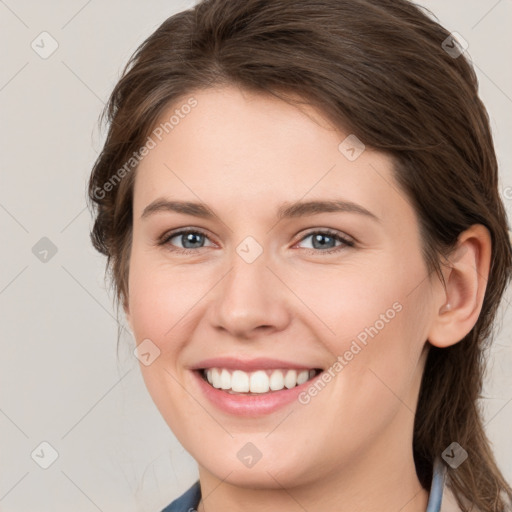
(239, 382)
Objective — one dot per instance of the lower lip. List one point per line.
(250, 405)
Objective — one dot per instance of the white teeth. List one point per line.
(302, 377)
(260, 381)
(276, 380)
(240, 381)
(290, 380)
(215, 378)
(225, 380)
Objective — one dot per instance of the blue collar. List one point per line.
(437, 487)
(191, 498)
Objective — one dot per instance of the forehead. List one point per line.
(248, 151)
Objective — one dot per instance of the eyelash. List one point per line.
(334, 234)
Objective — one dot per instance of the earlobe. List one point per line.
(459, 304)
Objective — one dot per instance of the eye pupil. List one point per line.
(191, 237)
(318, 237)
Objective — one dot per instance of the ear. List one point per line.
(458, 306)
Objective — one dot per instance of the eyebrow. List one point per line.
(286, 210)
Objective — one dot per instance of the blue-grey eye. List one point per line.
(325, 240)
(189, 239)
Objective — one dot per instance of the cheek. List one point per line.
(375, 323)
(163, 298)
(350, 299)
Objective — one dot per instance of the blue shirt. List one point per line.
(189, 500)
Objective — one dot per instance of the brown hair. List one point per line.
(379, 69)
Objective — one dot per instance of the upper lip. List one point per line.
(260, 363)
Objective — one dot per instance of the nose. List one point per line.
(250, 300)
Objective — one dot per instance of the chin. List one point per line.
(264, 474)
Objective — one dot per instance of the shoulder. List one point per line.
(187, 502)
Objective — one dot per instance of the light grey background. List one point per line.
(60, 380)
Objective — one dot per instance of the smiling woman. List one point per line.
(316, 252)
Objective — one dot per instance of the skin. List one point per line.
(350, 447)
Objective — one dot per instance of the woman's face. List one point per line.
(266, 287)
